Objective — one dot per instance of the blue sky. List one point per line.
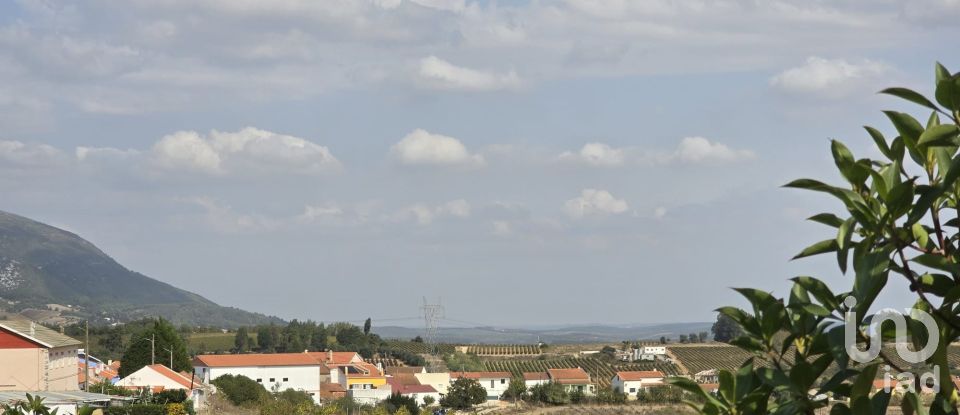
(528, 162)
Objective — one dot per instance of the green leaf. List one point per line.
(864, 382)
(936, 284)
(819, 290)
(910, 95)
(728, 386)
(824, 246)
(843, 158)
(910, 130)
(937, 262)
(948, 93)
(880, 141)
(828, 219)
(920, 234)
(940, 136)
(941, 72)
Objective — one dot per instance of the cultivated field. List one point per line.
(697, 358)
(503, 349)
(601, 371)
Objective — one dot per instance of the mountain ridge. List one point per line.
(41, 264)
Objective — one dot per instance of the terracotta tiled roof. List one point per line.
(332, 391)
(640, 374)
(174, 376)
(337, 357)
(480, 375)
(260, 359)
(567, 376)
(536, 376)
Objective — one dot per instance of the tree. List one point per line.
(683, 338)
(166, 337)
(267, 338)
(428, 400)
(725, 329)
(702, 337)
(397, 401)
(611, 396)
(550, 393)
(366, 326)
(417, 339)
(239, 389)
(463, 393)
(692, 337)
(892, 222)
(663, 339)
(241, 342)
(515, 390)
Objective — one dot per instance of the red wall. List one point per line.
(9, 340)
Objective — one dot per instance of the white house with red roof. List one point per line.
(298, 371)
(158, 378)
(631, 382)
(495, 383)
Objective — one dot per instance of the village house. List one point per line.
(406, 384)
(299, 371)
(649, 353)
(707, 376)
(531, 379)
(573, 379)
(495, 383)
(157, 378)
(438, 381)
(35, 358)
(634, 381)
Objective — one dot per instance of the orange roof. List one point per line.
(480, 375)
(337, 357)
(403, 379)
(536, 376)
(640, 374)
(174, 376)
(332, 390)
(574, 375)
(259, 359)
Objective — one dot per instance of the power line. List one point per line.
(432, 313)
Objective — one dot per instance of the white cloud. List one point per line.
(249, 149)
(421, 147)
(594, 202)
(689, 150)
(18, 154)
(222, 218)
(440, 74)
(830, 78)
(89, 154)
(660, 212)
(596, 154)
(424, 214)
(701, 150)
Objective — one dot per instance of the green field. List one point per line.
(600, 371)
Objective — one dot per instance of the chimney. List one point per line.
(33, 329)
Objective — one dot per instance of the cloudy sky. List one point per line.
(538, 162)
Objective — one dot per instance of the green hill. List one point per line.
(41, 264)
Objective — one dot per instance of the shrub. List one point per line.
(176, 409)
(144, 409)
(240, 390)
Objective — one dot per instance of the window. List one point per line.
(491, 383)
(285, 379)
(503, 381)
(273, 380)
(259, 380)
(633, 390)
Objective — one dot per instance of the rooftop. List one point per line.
(640, 374)
(38, 334)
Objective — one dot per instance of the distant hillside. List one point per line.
(595, 333)
(41, 265)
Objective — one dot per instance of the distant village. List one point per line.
(43, 362)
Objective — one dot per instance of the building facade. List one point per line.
(35, 358)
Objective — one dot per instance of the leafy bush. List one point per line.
(397, 401)
(549, 393)
(464, 393)
(900, 214)
(170, 396)
(176, 409)
(240, 390)
(143, 409)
